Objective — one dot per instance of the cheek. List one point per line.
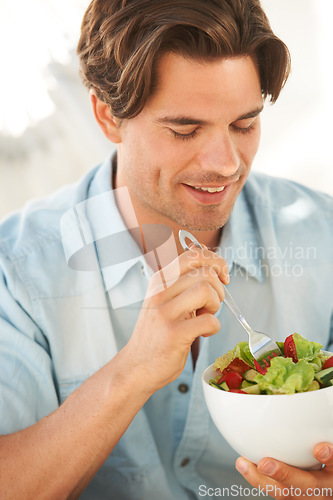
(256, 140)
(151, 155)
(250, 146)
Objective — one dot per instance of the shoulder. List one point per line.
(37, 225)
(286, 197)
(287, 214)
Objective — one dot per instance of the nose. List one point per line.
(220, 154)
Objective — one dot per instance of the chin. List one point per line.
(210, 223)
(206, 227)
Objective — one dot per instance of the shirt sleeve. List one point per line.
(27, 388)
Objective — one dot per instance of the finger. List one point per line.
(197, 257)
(189, 279)
(204, 325)
(250, 472)
(292, 477)
(200, 295)
(191, 260)
(323, 452)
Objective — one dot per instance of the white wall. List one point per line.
(48, 136)
(297, 132)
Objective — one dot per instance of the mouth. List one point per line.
(208, 195)
(209, 189)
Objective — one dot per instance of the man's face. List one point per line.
(186, 156)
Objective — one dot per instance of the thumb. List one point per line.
(323, 452)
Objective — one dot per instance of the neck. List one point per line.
(149, 237)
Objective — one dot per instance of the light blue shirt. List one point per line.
(61, 319)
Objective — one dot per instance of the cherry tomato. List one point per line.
(290, 348)
(328, 363)
(233, 380)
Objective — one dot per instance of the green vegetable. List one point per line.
(314, 386)
(250, 375)
(243, 352)
(223, 361)
(285, 377)
(306, 349)
(325, 376)
(300, 369)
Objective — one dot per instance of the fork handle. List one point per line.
(233, 308)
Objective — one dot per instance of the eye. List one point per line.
(244, 126)
(184, 137)
(243, 130)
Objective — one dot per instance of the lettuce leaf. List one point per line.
(223, 361)
(285, 377)
(306, 349)
(243, 352)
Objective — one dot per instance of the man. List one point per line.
(101, 392)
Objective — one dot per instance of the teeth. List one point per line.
(210, 189)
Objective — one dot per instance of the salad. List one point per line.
(304, 367)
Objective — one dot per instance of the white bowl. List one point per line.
(284, 427)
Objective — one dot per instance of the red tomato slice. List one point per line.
(233, 380)
(290, 348)
(239, 391)
(259, 368)
(328, 363)
(237, 365)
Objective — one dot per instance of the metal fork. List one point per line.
(262, 347)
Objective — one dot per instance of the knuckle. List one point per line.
(282, 474)
(204, 287)
(213, 323)
(193, 254)
(153, 298)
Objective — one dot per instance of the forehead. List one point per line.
(184, 86)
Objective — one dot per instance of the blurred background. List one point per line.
(48, 135)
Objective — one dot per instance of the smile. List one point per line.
(210, 189)
(208, 195)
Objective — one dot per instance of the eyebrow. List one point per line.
(251, 114)
(188, 120)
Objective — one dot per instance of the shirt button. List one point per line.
(185, 462)
(183, 388)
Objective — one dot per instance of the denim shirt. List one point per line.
(65, 311)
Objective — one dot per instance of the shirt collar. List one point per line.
(240, 241)
(239, 244)
(116, 249)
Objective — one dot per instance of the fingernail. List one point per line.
(324, 453)
(241, 465)
(268, 468)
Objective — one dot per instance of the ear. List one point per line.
(107, 122)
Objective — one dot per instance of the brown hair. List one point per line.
(122, 40)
